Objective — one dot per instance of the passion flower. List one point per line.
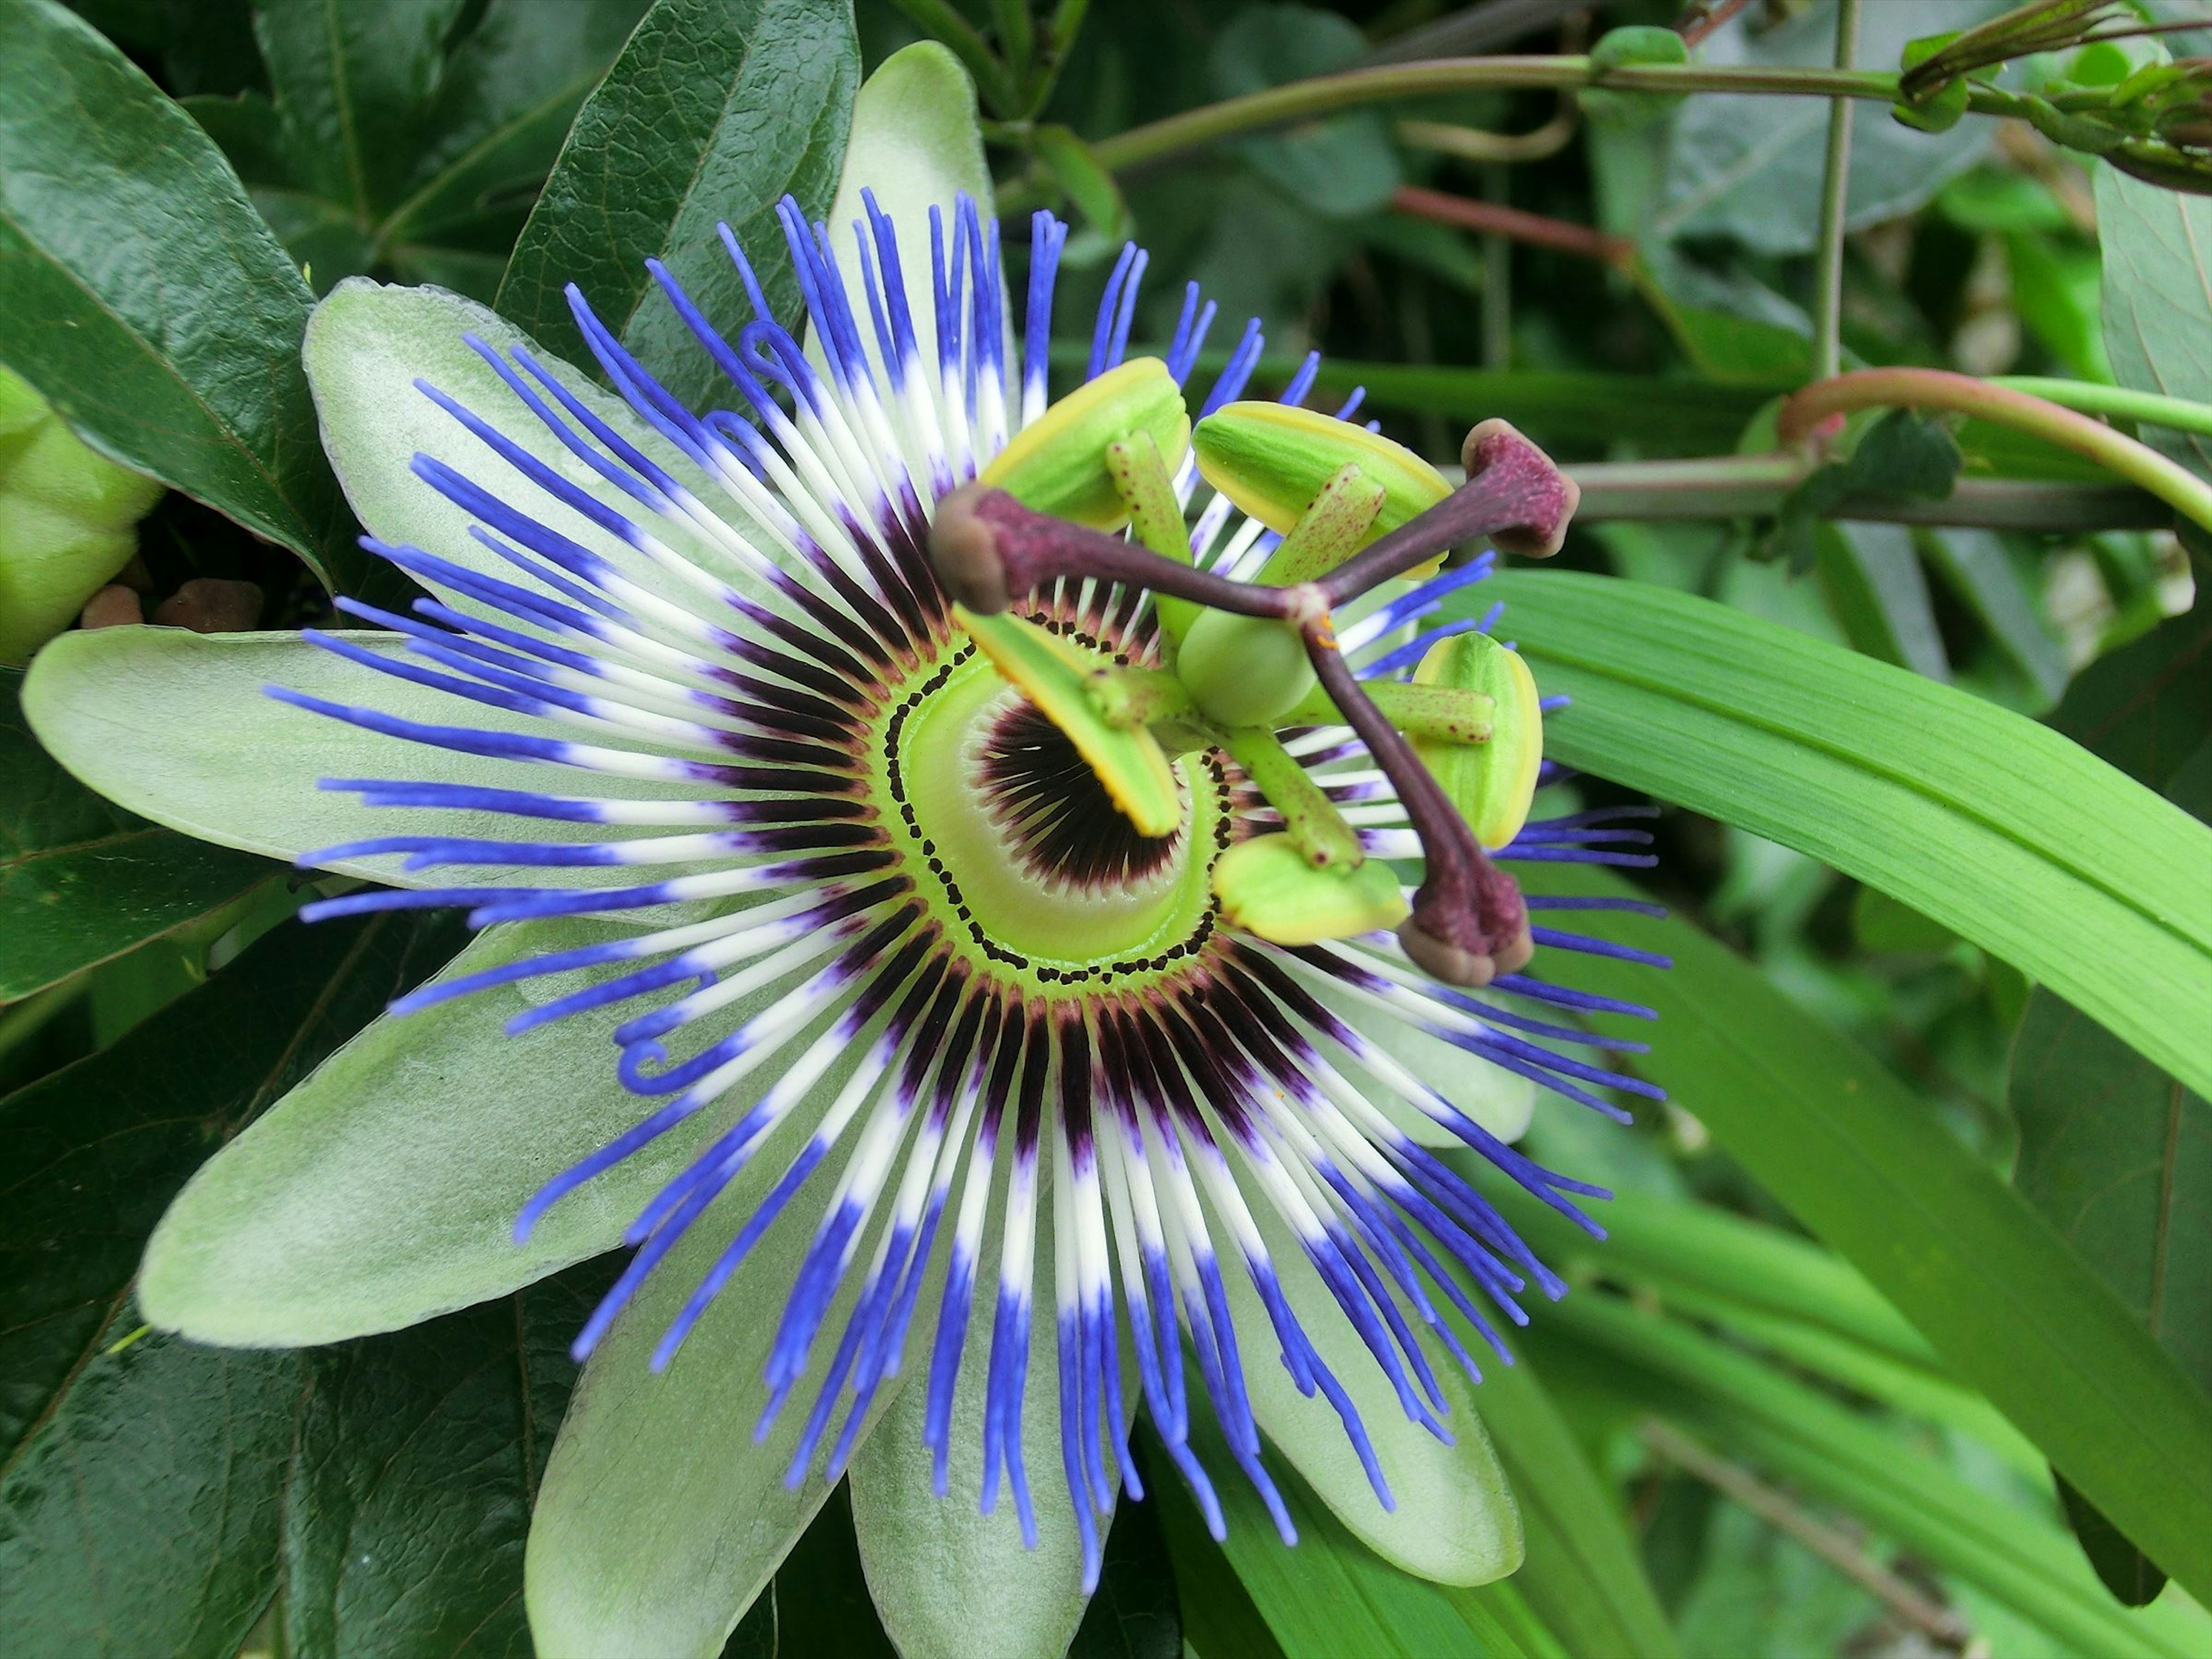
(1042, 947)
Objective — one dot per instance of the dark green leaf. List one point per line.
(1859, 1158)
(2122, 1569)
(2146, 708)
(417, 1460)
(1982, 575)
(143, 297)
(82, 881)
(2119, 1156)
(1749, 167)
(1090, 188)
(1903, 457)
(1995, 827)
(2157, 248)
(1133, 1613)
(714, 111)
(1338, 168)
(1877, 589)
(408, 137)
(140, 1480)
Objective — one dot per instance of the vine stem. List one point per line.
(1325, 95)
(1962, 394)
(1835, 190)
(2093, 397)
(1496, 219)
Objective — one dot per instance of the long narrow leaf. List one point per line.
(1999, 828)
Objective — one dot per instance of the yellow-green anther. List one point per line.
(1273, 460)
(1129, 762)
(1267, 887)
(1146, 487)
(1244, 670)
(1310, 817)
(1491, 783)
(1336, 524)
(1058, 463)
(68, 520)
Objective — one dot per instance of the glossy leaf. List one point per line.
(142, 295)
(81, 881)
(416, 1463)
(140, 1480)
(712, 112)
(409, 136)
(1997, 828)
(1856, 1158)
(2157, 249)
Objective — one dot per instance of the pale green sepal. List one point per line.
(1273, 459)
(1062, 463)
(366, 346)
(916, 143)
(176, 726)
(1128, 761)
(1456, 1520)
(1267, 888)
(661, 1518)
(949, 1582)
(382, 1191)
(1491, 783)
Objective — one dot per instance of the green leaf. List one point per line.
(1657, 1362)
(2119, 1157)
(383, 1189)
(140, 1480)
(1090, 187)
(662, 1517)
(2158, 298)
(1339, 167)
(1977, 569)
(949, 1582)
(417, 1461)
(176, 726)
(1585, 1577)
(1856, 1158)
(1874, 585)
(714, 111)
(1328, 1596)
(2147, 708)
(81, 881)
(408, 137)
(1997, 828)
(143, 297)
(1748, 167)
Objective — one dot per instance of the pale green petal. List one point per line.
(366, 346)
(383, 1190)
(949, 1582)
(660, 1517)
(1456, 1520)
(916, 143)
(176, 726)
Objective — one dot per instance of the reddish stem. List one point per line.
(1496, 219)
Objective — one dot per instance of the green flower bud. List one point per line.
(1267, 887)
(68, 520)
(1058, 463)
(1272, 459)
(1491, 782)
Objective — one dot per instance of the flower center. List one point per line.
(1031, 870)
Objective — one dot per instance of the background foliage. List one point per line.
(1930, 1208)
